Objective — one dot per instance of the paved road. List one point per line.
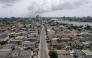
(43, 51)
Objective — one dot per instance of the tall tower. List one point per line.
(37, 17)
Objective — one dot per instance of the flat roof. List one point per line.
(54, 38)
(20, 36)
(87, 52)
(34, 33)
(26, 41)
(31, 38)
(66, 38)
(65, 56)
(62, 52)
(84, 42)
(3, 36)
(4, 50)
(73, 33)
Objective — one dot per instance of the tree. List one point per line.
(74, 27)
(53, 54)
(3, 42)
(7, 23)
(57, 23)
(88, 27)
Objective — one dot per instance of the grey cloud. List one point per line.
(52, 5)
(7, 3)
(91, 6)
(3, 6)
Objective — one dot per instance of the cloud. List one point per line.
(40, 6)
(7, 3)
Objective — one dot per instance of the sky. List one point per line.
(45, 8)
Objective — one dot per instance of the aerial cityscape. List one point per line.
(45, 29)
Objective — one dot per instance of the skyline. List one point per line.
(48, 8)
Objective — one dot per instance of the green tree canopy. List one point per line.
(3, 42)
(53, 54)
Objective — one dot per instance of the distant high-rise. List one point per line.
(88, 17)
(37, 17)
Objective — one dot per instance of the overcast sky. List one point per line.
(46, 8)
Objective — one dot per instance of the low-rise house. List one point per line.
(4, 37)
(13, 34)
(15, 41)
(64, 54)
(33, 31)
(73, 44)
(79, 54)
(86, 45)
(73, 33)
(20, 38)
(25, 54)
(33, 35)
(79, 44)
(59, 34)
(16, 52)
(66, 35)
(85, 34)
(29, 44)
(54, 40)
(65, 39)
(51, 34)
(9, 46)
(59, 46)
(89, 42)
(87, 53)
(5, 53)
(31, 39)
(24, 33)
(56, 28)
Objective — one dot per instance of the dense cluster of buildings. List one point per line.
(22, 39)
(69, 43)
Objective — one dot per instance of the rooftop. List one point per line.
(31, 38)
(54, 38)
(34, 33)
(3, 35)
(73, 33)
(78, 51)
(84, 42)
(25, 54)
(5, 50)
(87, 52)
(8, 46)
(18, 37)
(65, 56)
(63, 52)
